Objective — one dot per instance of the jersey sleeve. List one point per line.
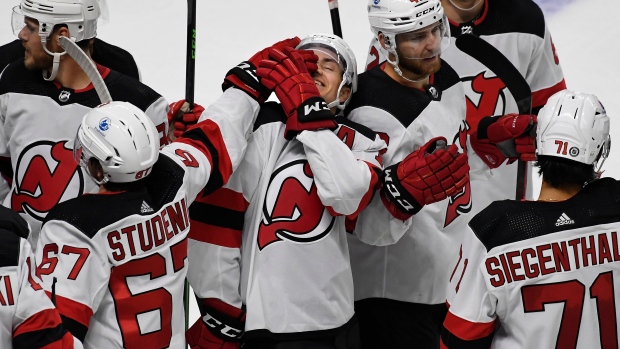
(345, 165)
(212, 149)
(158, 113)
(36, 323)
(544, 73)
(471, 320)
(376, 54)
(75, 271)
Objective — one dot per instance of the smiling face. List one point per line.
(329, 76)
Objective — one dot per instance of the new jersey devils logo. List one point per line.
(459, 203)
(485, 97)
(45, 175)
(292, 209)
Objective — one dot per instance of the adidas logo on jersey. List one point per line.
(563, 220)
(145, 208)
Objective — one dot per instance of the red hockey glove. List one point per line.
(180, 118)
(504, 137)
(297, 91)
(244, 77)
(430, 174)
(220, 327)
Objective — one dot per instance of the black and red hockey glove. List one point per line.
(220, 327)
(502, 137)
(430, 174)
(180, 118)
(288, 75)
(244, 77)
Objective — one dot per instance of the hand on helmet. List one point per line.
(286, 72)
(244, 77)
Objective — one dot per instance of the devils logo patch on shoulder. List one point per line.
(45, 175)
(292, 210)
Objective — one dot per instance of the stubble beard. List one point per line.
(38, 60)
(419, 67)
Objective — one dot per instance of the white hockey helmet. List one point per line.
(344, 56)
(80, 16)
(394, 17)
(122, 138)
(574, 126)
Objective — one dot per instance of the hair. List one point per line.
(117, 187)
(563, 173)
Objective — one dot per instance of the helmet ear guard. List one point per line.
(574, 126)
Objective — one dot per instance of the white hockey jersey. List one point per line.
(119, 259)
(28, 318)
(528, 45)
(414, 269)
(38, 120)
(541, 275)
(273, 240)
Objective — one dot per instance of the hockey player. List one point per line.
(414, 99)
(519, 31)
(290, 285)
(42, 99)
(542, 274)
(28, 318)
(117, 259)
(103, 53)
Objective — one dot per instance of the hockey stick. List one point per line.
(488, 55)
(190, 62)
(190, 78)
(88, 67)
(333, 10)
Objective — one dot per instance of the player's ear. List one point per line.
(345, 92)
(95, 169)
(381, 38)
(60, 30)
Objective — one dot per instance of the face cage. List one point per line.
(414, 40)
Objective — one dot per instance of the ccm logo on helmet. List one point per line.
(419, 14)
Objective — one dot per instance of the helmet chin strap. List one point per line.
(336, 102)
(56, 55)
(465, 9)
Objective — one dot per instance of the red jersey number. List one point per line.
(572, 294)
(129, 306)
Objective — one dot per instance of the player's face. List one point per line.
(419, 51)
(35, 57)
(328, 77)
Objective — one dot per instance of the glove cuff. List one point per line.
(244, 77)
(483, 126)
(314, 109)
(396, 193)
(223, 326)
